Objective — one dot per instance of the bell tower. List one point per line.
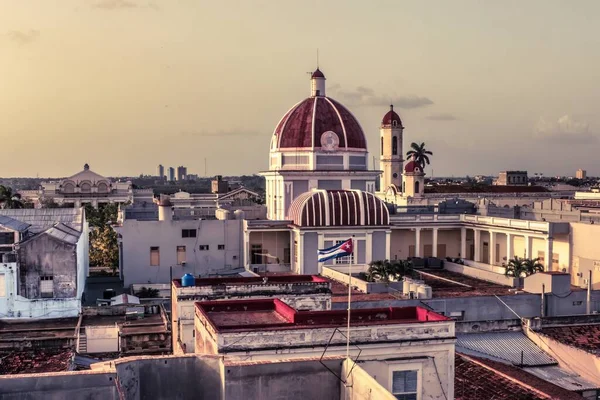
(390, 159)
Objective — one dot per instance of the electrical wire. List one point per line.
(438, 377)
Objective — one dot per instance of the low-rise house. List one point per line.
(155, 251)
(409, 351)
(302, 292)
(45, 262)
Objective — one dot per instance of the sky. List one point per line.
(127, 84)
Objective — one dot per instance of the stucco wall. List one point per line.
(59, 386)
(586, 254)
(360, 385)
(45, 255)
(273, 245)
(402, 239)
(299, 380)
(139, 236)
(490, 276)
(311, 246)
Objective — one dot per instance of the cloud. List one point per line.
(441, 117)
(365, 96)
(23, 37)
(114, 4)
(565, 129)
(227, 133)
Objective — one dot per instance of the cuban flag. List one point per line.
(339, 250)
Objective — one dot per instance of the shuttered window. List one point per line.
(181, 255)
(47, 286)
(404, 385)
(154, 256)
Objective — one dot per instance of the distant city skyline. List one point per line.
(120, 84)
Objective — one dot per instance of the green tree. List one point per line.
(10, 199)
(515, 267)
(419, 154)
(104, 246)
(386, 270)
(533, 266)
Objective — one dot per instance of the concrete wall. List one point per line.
(298, 380)
(403, 239)
(360, 385)
(585, 254)
(45, 255)
(273, 246)
(340, 274)
(139, 236)
(102, 339)
(60, 386)
(184, 377)
(479, 273)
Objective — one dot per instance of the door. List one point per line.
(411, 250)
(428, 250)
(485, 253)
(441, 251)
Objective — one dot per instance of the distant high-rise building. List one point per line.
(581, 174)
(171, 173)
(181, 173)
(161, 171)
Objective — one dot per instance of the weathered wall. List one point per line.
(273, 246)
(44, 255)
(184, 377)
(59, 386)
(139, 236)
(298, 380)
(360, 385)
(585, 254)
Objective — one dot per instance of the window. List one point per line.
(47, 286)
(220, 247)
(188, 233)
(256, 254)
(395, 146)
(154, 256)
(295, 251)
(404, 385)
(286, 255)
(417, 187)
(7, 238)
(2, 285)
(382, 146)
(181, 255)
(395, 175)
(347, 259)
(203, 247)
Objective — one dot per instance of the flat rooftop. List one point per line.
(273, 314)
(255, 280)
(445, 284)
(36, 361)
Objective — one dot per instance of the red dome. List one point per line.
(317, 74)
(412, 166)
(392, 118)
(303, 125)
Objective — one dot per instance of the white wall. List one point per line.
(102, 339)
(139, 236)
(585, 254)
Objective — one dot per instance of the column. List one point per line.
(527, 246)
(492, 247)
(463, 243)
(435, 242)
(417, 242)
(509, 247)
(388, 245)
(292, 250)
(246, 261)
(548, 255)
(477, 245)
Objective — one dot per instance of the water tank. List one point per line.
(424, 292)
(414, 285)
(406, 286)
(188, 280)
(239, 214)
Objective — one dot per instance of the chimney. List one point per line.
(165, 209)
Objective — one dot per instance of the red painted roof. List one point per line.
(273, 314)
(317, 74)
(391, 119)
(34, 362)
(303, 125)
(255, 280)
(412, 166)
(338, 208)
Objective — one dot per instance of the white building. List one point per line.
(43, 262)
(318, 144)
(155, 251)
(85, 187)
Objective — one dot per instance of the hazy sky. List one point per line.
(127, 84)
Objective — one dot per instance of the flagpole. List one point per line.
(349, 297)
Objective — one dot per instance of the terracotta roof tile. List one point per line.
(584, 337)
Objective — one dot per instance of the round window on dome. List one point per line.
(395, 175)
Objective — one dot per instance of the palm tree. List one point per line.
(516, 267)
(9, 199)
(419, 154)
(532, 266)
